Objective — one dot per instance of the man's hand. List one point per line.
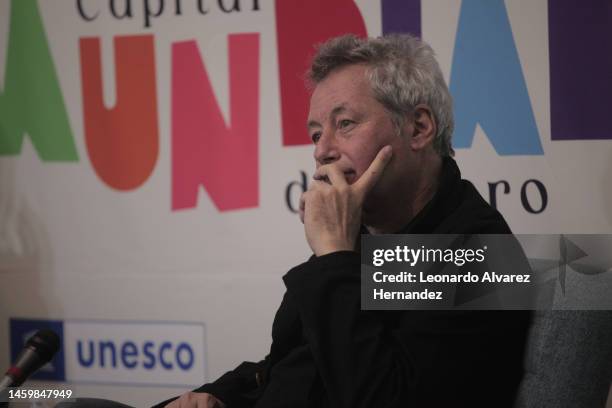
(196, 400)
(331, 212)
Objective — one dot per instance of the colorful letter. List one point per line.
(224, 158)
(580, 38)
(122, 142)
(300, 25)
(487, 82)
(401, 16)
(32, 101)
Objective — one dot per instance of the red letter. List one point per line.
(205, 150)
(122, 142)
(300, 25)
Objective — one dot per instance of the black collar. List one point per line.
(444, 201)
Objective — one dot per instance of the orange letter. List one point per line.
(122, 142)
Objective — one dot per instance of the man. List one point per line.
(381, 122)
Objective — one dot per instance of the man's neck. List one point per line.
(390, 216)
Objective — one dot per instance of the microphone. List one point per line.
(38, 350)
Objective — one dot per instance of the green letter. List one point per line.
(32, 101)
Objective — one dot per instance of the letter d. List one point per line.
(303, 184)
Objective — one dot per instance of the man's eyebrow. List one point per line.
(312, 123)
(335, 112)
(339, 109)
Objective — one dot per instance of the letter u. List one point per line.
(85, 362)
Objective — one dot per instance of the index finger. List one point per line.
(333, 174)
(371, 176)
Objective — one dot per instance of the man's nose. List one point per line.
(326, 149)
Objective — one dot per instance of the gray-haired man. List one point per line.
(381, 122)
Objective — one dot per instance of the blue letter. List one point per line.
(487, 82)
(111, 346)
(83, 361)
(165, 346)
(151, 357)
(129, 350)
(187, 348)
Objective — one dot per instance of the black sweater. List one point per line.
(327, 352)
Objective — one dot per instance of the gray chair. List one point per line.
(568, 360)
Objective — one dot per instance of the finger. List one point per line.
(184, 401)
(371, 176)
(319, 185)
(204, 403)
(332, 173)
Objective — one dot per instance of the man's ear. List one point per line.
(424, 127)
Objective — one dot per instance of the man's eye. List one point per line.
(344, 123)
(315, 137)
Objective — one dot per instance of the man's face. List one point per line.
(349, 127)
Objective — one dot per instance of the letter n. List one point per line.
(224, 158)
(32, 101)
(487, 82)
(300, 25)
(122, 142)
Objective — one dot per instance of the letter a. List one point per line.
(32, 101)
(487, 82)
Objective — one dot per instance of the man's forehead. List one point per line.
(342, 91)
(336, 110)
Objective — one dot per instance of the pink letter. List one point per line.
(224, 158)
(300, 25)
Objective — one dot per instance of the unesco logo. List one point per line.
(119, 352)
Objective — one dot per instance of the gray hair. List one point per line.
(403, 73)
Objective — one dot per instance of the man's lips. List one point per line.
(350, 176)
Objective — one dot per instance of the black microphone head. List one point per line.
(38, 350)
(45, 342)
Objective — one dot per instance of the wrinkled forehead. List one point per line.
(346, 88)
